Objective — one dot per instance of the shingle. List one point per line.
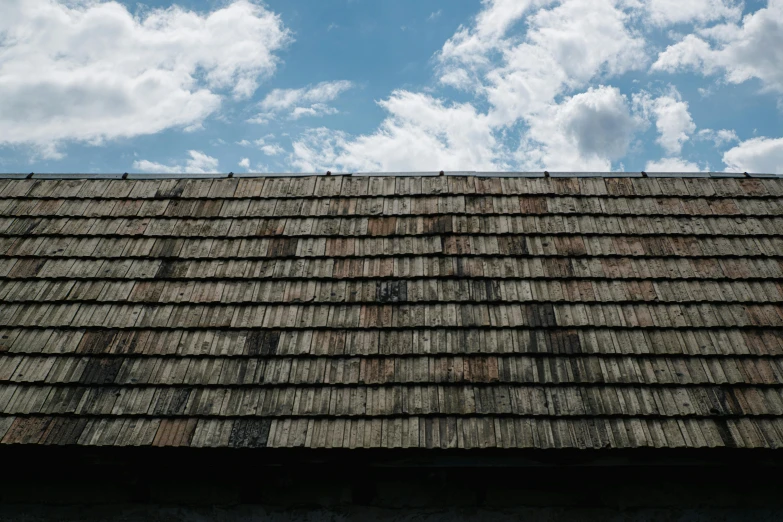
(466, 310)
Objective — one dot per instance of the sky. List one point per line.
(389, 86)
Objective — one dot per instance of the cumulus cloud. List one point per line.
(672, 165)
(719, 137)
(199, 163)
(598, 121)
(519, 80)
(472, 45)
(307, 101)
(666, 12)
(46, 151)
(764, 155)
(91, 71)
(272, 150)
(316, 109)
(752, 49)
(419, 133)
(244, 163)
(672, 119)
(262, 144)
(564, 47)
(585, 132)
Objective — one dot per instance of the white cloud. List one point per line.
(244, 163)
(719, 137)
(91, 71)
(435, 15)
(471, 45)
(198, 163)
(308, 101)
(672, 118)
(281, 99)
(753, 49)
(563, 49)
(194, 127)
(585, 132)
(272, 150)
(672, 165)
(261, 118)
(691, 51)
(764, 155)
(518, 78)
(598, 121)
(419, 133)
(665, 12)
(46, 151)
(316, 109)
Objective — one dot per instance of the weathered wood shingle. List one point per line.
(392, 312)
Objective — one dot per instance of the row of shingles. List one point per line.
(515, 433)
(407, 342)
(390, 206)
(389, 186)
(37, 250)
(580, 400)
(491, 402)
(451, 315)
(110, 394)
(191, 421)
(413, 291)
(518, 236)
(284, 247)
(411, 432)
(397, 268)
(361, 227)
(70, 430)
(475, 368)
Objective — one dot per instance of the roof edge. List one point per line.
(148, 176)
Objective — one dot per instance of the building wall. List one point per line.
(73, 485)
(391, 495)
(246, 513)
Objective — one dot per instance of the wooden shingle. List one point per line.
(392, 311)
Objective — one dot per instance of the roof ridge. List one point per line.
(542, 174)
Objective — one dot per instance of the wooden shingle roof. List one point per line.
(392, 312)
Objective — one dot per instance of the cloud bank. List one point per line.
(91, 71)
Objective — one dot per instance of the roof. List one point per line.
(458, 311)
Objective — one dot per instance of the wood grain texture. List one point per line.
(392, 312)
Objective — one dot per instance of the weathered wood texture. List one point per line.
(392, 312)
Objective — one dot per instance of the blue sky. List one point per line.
(360, 85)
